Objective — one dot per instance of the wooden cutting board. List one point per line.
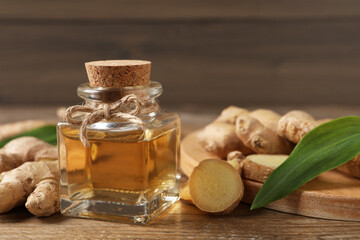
(332, 195)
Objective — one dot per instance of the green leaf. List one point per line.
(323, 148)
(45, 133)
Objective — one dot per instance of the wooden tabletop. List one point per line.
(181, 220)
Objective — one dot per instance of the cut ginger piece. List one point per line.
(185, 193)
(258, 167)
(216, 186)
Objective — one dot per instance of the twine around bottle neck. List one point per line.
(107, 111)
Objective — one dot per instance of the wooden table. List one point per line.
(182, 220)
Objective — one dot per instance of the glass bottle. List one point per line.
(127, 173)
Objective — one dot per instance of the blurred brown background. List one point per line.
(205, 53)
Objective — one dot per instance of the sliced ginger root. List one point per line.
(233, 158)
(185, 193)
(215, 186)
(258, 167)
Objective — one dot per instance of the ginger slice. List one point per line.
(185, 193)
(215, 186)
(258, 167)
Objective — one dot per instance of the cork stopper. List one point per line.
(118, 73)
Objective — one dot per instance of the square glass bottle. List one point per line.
(128, 172)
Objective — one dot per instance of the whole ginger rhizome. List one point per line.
(119, 153)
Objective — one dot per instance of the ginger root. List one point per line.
(258, 167)
(255, 132)
(23, 175)
(185, 193)
(37, 179)
(44, 200)
(268, 118)
(235, 159)
(215, 186)
(258, 131)
(220, 138)
(25, 149)
(235, 155)
(230, 114)
(295, 124)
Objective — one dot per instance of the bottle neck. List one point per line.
(146, 107)
(146, 96)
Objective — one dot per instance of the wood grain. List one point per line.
(204, 53)
(178, 9)
(182, 221)
(273, 63)
(332, 195)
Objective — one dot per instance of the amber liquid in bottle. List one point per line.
(134, 167)
(128, 172)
